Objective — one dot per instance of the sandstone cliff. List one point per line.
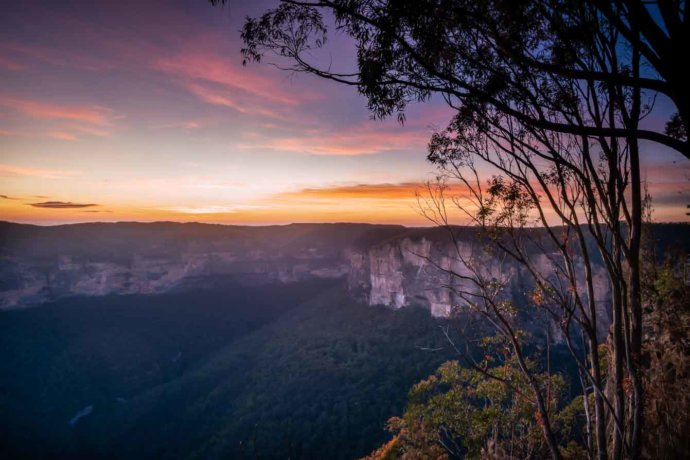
(390, 266)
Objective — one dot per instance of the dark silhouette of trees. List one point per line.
(659, 30)
(551, 95)
(479, 52)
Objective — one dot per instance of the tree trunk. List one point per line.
(599, 413)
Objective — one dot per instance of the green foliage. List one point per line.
(460, 412)
(666, 283)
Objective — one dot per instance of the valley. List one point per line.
(218, 373)
(201, 341)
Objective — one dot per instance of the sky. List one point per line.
(121, 111)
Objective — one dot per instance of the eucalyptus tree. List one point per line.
(550, 94)
(465, 50)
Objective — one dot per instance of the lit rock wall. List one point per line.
(385, 266)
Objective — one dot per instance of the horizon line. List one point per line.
(218, 224)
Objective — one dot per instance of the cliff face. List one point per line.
(384, 265)
(409, 271)
(389, 266)
(35, 281)
(405, 272)
(39, 264)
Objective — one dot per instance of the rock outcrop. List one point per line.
(391, 266)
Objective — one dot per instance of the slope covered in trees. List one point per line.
(209, 374)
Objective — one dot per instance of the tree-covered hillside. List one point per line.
(215, 374)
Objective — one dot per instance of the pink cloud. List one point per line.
(367, 139)
(215, 97)
(198, 67)
(8, 64)
(69, 132)
(664, 172)
(188, 124)
(62, 135)
(88, 114)
(59, 57)
(88, 130)
(11, 170)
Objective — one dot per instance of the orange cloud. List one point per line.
(403, 196)
(209, 209)
(401, 191)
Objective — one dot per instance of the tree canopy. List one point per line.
(495, 54)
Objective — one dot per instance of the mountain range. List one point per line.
(388, 265)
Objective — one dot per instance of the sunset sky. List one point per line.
(142, 111)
